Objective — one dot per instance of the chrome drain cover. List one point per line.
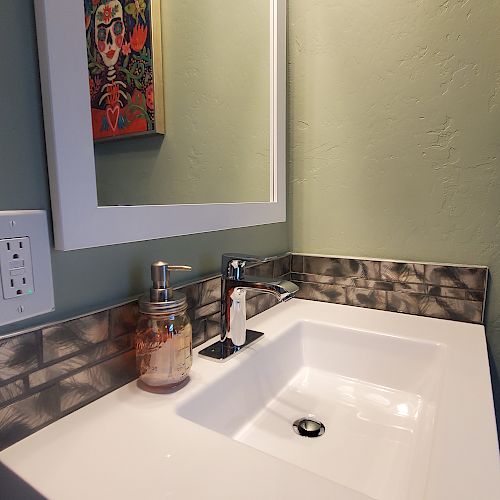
(308, 427)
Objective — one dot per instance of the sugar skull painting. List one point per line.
(125, 67)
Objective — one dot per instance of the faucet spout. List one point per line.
(235, 284)
(282, 290)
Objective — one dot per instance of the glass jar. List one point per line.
(164, 337)
(164, 349)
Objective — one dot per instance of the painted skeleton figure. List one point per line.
(109, 32)
(120, 67)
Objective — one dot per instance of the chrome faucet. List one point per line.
(235, 284)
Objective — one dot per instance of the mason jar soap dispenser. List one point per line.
(164, 334)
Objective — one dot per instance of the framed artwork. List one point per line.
(124, 67)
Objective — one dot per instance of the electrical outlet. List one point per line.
(16, 267)
(25, 266)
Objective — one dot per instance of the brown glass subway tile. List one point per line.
(297, 264)
(476, 295)
(472, 278)
(372, 299)
(315, 278)
(402, 272)
(318, 265)
(326, 280)
(410, 287)
(368, 269)
(11, 391)
(192, 293)
(374, 285)
(19, 355)
(453, 293)
(263, 269)
(213, 326)
(342, 267)
(250, 294)
(25, 416)
(344, 281)
(90, 356)
(92, 383)
(251, 307)
(457, 310)
(210, 291)
(435, 307)
(199, 328)
(260, 303)
(204, 321)
(208, 310)
(123, 320)
(75, 335)
(282, 266)
(407, 302)
(321, 293)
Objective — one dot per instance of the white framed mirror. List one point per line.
(81, 218)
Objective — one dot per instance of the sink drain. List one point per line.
(308, 427)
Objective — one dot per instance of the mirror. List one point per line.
(221, 162)
(216, 71)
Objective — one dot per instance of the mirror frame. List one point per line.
(79, 222)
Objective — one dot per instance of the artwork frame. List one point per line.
(125, 66)
(79, 222)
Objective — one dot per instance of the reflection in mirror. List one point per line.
(216, 67)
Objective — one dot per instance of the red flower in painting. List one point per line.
(135, 111)
(95, 2)
(138, 38)
(150, 97)
(106, 13)
(126, 48)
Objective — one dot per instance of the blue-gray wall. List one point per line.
(87, 279)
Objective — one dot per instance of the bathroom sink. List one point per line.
(405, 402)
(375, 394)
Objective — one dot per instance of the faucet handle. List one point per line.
(233, 264)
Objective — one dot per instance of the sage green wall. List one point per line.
(93, 278)
(395, 132)
(216, 77)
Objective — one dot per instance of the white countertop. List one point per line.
(132, 444)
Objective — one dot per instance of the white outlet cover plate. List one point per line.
(30, 224)
(16, 269)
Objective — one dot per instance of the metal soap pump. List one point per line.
(163, 344)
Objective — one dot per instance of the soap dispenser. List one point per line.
(163, 344)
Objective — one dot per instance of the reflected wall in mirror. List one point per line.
(217, 92)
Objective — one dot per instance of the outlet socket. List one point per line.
(25, 266)
(16, 267)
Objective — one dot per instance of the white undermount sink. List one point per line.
(377, 396)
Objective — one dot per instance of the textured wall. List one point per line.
(395, 132)
(216, 65)
(94, 278)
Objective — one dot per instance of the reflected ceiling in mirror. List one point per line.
(217, 90)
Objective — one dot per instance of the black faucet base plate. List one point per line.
(222, 351)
